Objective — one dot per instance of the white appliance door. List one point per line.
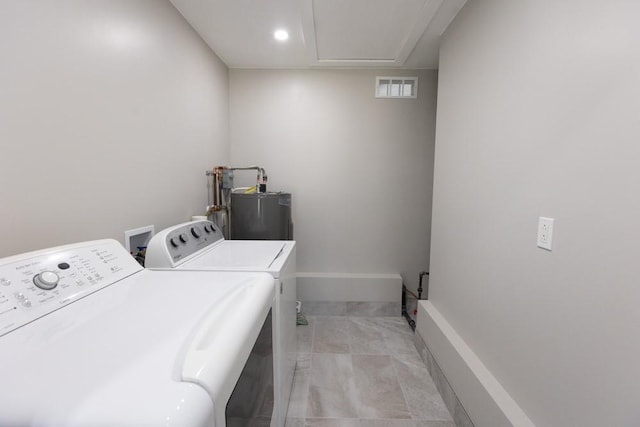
(116, 356)
(240, 255)
(277, 258)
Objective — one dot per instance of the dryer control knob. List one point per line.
(46, 280)
(184, 238)
(173, 242)
(195, 232)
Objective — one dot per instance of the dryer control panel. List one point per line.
(35, 284)
(176, 244)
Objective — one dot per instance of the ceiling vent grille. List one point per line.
(396, 87)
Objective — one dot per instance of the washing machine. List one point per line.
(201, 246)
(90, 338)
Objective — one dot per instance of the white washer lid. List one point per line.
(243, 255)
(115, 357)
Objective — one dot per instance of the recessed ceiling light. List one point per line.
(281, 35)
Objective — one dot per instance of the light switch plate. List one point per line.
(545, 232)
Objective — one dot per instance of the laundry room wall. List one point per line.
(359, 168)
(110, 113)
(539, 115)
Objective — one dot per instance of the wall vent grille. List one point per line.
(396, 87)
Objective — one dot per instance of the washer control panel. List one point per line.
(35, 284)
(187, 239)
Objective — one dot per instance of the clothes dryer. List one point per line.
(200, 245)
(89, 338)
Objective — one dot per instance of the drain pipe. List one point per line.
(420, 276)
(405, 314)
(405, 291)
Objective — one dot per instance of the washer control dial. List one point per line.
(195, 232)
(46, 280)
(184, 238)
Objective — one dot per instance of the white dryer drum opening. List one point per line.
(251, 402)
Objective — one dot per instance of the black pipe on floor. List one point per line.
(405, 291)
(420, 276)
(405, 314)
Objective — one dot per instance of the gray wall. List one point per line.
(539, 115)
(110, 112)
(359, 168)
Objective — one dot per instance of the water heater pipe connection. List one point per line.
(219, 186)
(261, 179)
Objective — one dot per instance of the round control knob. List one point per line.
(184, 238)
(195, 232)
(173, 242)
(46, 280)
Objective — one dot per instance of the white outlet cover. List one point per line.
(144, 234)
(545, 232)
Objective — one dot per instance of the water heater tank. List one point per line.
(261, 216)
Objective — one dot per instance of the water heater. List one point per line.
(261, 216)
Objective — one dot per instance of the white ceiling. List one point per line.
(322, 33)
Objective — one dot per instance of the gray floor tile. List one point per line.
(332, 392)
(460, 416)
(422, 423)
(405, 423)
(300, 390)
(360, 371)
(397, 334)
(378, 389)
(420, 392)
(330, 334)
(324, 308)
(374, 309)
(294, 422)
(304, 335)
(446, 392)
(366, 337)
(336, 422)
(386, 423)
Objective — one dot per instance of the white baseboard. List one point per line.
(486, 402)
(349, 287)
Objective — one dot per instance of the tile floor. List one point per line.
(362, 372)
